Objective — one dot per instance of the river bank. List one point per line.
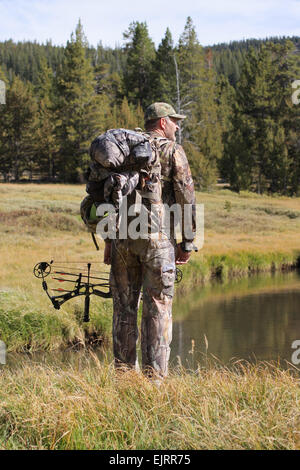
(244, 234)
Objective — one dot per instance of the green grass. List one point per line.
(25, 326)
(224, 267)
(88, 407)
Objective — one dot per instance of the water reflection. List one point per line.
(260, 325)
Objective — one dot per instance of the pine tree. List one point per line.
(190, 60)
(258, 152)
(46, 147)
(129, 116)
(164, 72)
(140, 56)
(108, 83)
(198, 100)
(78, 108)
(17, 130)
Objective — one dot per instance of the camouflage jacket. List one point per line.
(178, 185)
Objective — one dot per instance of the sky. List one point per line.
(215, 21)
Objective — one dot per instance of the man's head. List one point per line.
(162, 118)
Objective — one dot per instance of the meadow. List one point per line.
(243, 233)
(84, 404)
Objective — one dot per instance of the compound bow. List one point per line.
(82, 281)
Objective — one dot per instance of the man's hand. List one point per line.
(107, 252)
(181, 257)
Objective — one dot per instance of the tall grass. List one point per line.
(89, 407)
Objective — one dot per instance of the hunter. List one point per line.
(149, 264)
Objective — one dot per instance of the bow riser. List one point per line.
(85, 288)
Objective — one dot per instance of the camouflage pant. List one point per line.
(150, 265)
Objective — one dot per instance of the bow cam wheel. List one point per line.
(42, 270)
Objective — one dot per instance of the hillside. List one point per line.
(25, 58)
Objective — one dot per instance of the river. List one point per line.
(256, 318)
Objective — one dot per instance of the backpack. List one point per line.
(122, 162)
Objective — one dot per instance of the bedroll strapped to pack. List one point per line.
(122, 161)
(121, 148)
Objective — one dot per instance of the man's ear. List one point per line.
(163, 123)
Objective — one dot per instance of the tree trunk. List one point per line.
(178, 99)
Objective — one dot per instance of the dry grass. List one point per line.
(250, 222)
(88, 407)
(40, 223)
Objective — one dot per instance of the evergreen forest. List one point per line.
(242, 102)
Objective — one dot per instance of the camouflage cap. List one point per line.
(160, 110)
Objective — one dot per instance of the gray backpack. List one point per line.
(122, 161)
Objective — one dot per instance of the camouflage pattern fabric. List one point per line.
(177, 181)
(85, 210)
(116, 157)
(149, 264)
(118, 185)
(120, 147)
(160, 110)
